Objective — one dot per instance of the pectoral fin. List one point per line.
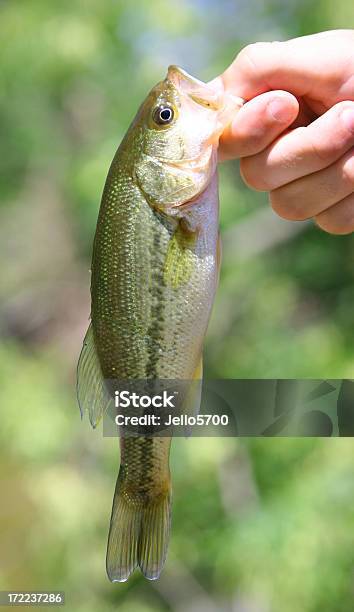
(180, 258)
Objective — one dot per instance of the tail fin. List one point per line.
(139, 534)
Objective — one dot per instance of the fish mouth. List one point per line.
(224, 103)
(176, 72)
(199, 91)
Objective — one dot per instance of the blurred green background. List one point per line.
(261, 525)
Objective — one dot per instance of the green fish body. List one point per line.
(154, 276)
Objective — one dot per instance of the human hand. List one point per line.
(295, 134)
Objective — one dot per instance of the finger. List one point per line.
(258, 123)
(339, 219)
(302, 66)
(303, 150)
(309, 196)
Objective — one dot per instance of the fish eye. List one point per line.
(163, 115)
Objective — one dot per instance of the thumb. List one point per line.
(257, 124)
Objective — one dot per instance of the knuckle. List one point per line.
(250, 54)
(348, 126)
(252, 175)
(250, 51)
(255, 142)
(323, 154)
(327, 150)
(343, 105)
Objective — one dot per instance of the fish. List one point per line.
(154, 274)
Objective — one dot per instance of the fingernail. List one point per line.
(348, 119)
(280, 110)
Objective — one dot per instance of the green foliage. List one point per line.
(261, 525)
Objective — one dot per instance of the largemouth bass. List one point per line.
(154, 275)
